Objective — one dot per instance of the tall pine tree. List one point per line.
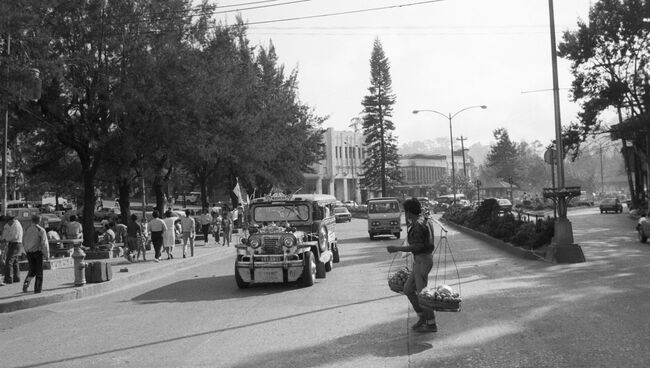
(502, 158)
(381, 165)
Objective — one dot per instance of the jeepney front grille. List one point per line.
(271, 245)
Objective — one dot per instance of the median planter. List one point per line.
(518, 251)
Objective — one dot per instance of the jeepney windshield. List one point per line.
(281, 213)
(383, 207)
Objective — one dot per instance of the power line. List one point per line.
(343, 13)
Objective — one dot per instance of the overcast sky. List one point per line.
(444, 56)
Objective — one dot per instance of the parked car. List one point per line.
(611, 205)
(504, 205)
(350, 204)
(51, 221)
(341, 214)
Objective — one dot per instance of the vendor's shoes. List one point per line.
(426, 328)
(421, 322)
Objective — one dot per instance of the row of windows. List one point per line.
(349, 152)
(422, 175)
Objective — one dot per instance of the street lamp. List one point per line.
(450, 116)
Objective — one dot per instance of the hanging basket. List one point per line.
(397, 279)
(442, 297)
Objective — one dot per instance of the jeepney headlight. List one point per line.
(375, 223)
(254, 241)
(288, 241)
(393, 222)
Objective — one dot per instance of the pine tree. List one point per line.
(381, 166)
(503, 155)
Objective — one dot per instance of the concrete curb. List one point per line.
(507, 247)
(133, 278)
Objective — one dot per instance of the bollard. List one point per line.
(79, 266)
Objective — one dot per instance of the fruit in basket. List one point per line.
(445, 290)
(398, 279)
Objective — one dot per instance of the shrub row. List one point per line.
(490, 220)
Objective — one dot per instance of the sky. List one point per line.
(444, 56)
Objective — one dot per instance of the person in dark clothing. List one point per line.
(37, 248)
(422, 249)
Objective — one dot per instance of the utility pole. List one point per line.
(6, 132)
(462, 147)
(602, 180)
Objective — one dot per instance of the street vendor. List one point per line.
(417, 243)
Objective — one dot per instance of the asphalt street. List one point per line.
(515, 313)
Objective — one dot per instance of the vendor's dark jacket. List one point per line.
(418, 235)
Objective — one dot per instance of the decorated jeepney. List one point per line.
(290, 239)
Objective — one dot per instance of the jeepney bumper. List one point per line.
(269, 268)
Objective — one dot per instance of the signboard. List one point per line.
(550, 156)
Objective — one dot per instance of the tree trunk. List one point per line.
(160, 195)
(124, 189)
(88, 216)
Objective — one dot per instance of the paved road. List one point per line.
(516, 313)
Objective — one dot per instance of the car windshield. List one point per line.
(340, 210)
(609, 200)
(383, 207)
(277, 213)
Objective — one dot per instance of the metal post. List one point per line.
(6, 133)
(453, 168)
(563, 250)
(462, 148)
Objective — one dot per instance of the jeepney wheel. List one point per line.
(372, 236)
(335, 253)
(397, 235)
(240, 282)
(642, 236)
(323, 239)
(308, 269)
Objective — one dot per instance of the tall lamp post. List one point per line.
(450, 116)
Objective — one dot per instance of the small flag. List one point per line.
(237, 191)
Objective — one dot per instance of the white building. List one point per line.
(339, 173)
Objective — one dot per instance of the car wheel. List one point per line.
(335, 254)
(308, 276)
(323, 239)
(240, 282)
(372, 237)
(328, 264)
(397, 235)
(642, 237)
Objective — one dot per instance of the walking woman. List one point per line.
(157, 227)
(169, 236)
(226, 226)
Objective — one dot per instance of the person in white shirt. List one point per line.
(156, 228)
(73, 229)
(37, 248)
(13, 235)
(188, 231)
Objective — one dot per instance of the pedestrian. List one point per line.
(73, 229)
(169, 236)
(216, 225)
(205, 221)
(37, 248)
(226, 226)
(156, 228)
(13, 235)
(133, 238)
(418, 244)
(120, 233)
(188, 231)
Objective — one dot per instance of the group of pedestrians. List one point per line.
(219, 224)
(34, 242)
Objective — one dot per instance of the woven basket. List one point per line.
(439, 305)
(396, 283)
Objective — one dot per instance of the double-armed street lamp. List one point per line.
(450, 116)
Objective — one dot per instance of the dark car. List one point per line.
(504, 205)
(341, 214)
(611, 205)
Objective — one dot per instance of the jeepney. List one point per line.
(290, 238)
(384, 217)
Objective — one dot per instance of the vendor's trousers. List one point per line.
(417, 280)
(11, 272)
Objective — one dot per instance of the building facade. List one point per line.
(341, 170)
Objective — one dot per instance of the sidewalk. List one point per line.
(58, 284)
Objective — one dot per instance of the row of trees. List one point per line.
(151, 89)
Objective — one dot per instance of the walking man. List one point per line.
(422, 249)
(188, 230)
(37, 248)
(205, 220)
(13, 235)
